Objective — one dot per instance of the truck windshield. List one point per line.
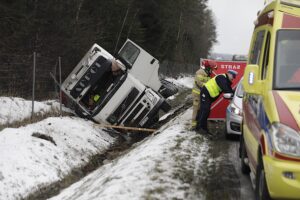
(129, 54)
(287, 60)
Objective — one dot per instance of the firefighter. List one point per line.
(201, 77)
(209, 93)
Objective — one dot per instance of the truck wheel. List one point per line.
(167, 89)
(243, 154)
(261, 189)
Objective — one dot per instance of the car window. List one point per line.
(287, 60)
(266, 57)
(240, 90)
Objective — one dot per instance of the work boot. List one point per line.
(193, 128)
(201, 131)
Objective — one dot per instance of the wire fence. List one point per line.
(17, 76)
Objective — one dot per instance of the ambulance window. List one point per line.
(256, 51)
(287, 59)
(266, 57)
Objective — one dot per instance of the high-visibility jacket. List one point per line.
(96, 97)
(201, 77)
(212, 87)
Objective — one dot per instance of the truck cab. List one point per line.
(130, 97)
(270, 142)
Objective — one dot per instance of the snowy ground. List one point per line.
(186, 81)
(13, 109)
(45, 152)
(39, 154)
(42, 153)
(162, 167)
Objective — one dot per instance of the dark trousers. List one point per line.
(203, 113)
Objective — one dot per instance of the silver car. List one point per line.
(234, 112)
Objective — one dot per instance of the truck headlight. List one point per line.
(151, 97)
(286, 140)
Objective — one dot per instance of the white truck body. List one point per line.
(132, 99)
(145, 67)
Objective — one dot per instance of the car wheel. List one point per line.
(261, 189)
(243, 155)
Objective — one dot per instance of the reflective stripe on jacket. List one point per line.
(212, 87)
(200, 78)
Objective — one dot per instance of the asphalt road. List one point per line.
(226, 180)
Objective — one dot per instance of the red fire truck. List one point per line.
(218, 108)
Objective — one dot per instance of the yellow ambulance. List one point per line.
(270, 142)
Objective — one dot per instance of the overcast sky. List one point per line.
(234, 20)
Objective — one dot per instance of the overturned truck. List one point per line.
(131, 97)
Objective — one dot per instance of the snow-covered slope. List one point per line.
(14, 109)
(40, 154)
(186, 81)
(152, 170)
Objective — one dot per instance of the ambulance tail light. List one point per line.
(295, 3)
(285, 140)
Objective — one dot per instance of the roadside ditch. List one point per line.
(123, 144)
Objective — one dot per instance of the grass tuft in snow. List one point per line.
(44, 137)
(156, 190)
(179, 140)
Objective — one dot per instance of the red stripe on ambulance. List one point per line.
(290, 21)
(284, 113)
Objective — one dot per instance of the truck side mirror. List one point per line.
(251, 83)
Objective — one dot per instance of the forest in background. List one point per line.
(177, 32)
